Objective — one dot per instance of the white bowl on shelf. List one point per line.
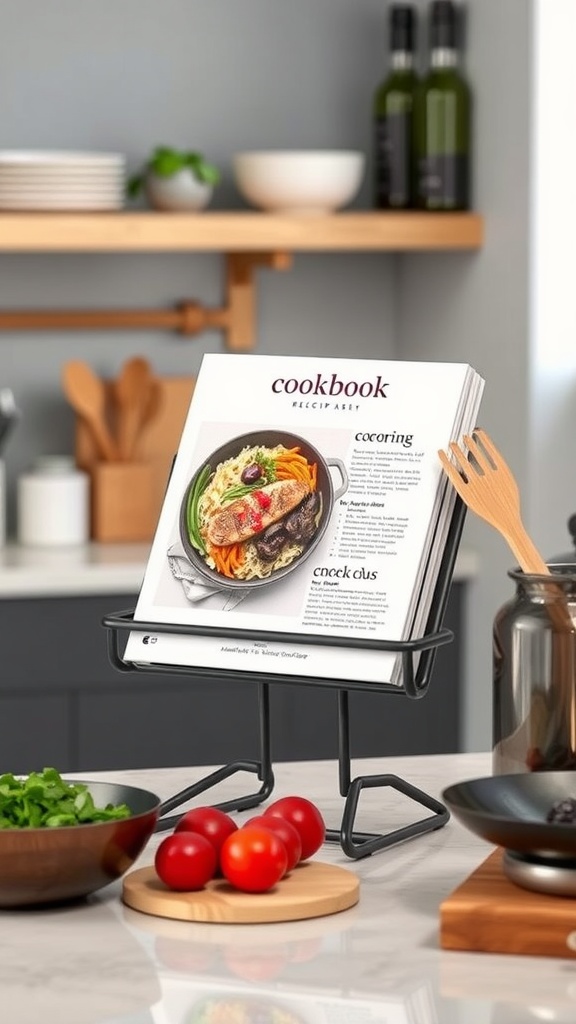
(299, 181)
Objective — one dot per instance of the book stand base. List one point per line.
(415, 681)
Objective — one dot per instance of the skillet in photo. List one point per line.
(327, 495)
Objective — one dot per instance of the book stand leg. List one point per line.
(261, 768)
(354, 844)
(417, 662)
(361, 844)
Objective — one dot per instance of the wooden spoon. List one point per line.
(154, 403)
(86, 393)
(131, 391)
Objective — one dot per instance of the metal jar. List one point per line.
(534, 681)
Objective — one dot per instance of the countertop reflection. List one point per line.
(100, 962)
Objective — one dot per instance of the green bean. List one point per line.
(239, 490)
(196, 492)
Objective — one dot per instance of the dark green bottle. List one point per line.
(392, 114)
(441, 120)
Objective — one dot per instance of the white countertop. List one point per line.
(99, 962)
(101, 569)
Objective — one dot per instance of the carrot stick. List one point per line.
(227, 558)
(291, 466)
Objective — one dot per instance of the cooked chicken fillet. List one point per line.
(247, 516)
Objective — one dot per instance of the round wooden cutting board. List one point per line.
(312, 889)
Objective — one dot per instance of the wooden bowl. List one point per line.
(50, 865)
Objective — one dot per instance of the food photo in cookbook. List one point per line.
(257, 507)
(242, 1009)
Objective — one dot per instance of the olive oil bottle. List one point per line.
(441, 119)
(392, 114)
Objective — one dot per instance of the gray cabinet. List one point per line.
(63, 704)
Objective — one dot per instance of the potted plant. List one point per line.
(175, 179)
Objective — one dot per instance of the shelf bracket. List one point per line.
(236, 318)
(240, 309)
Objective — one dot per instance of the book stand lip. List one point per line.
(414, 685)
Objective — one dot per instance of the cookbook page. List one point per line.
(304, 499)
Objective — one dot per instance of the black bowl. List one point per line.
(325, 487)
(511, 811)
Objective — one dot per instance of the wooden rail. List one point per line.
(248, 239)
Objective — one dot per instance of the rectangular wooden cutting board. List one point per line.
(489, 914)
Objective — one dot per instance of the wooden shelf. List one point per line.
(242, 232)
(248, 240)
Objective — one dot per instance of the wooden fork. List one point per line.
(487, 486)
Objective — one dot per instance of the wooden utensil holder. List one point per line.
(156, 445)
(122, 501)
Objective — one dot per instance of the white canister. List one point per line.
(2, 503)
(53, 503)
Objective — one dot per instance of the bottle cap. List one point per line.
(443, 25)
(402, 24)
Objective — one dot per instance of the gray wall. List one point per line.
(476, 308)
(222, 76)
(215, 75)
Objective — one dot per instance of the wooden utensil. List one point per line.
(154, 403)
(86, 394)
(157, 442)
(486, 485)
(132, 396)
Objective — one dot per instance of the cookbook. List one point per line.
(306, 499)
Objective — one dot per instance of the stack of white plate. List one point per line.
(46, 180)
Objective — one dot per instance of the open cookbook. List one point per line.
(306, 498)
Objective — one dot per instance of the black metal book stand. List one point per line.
(415, 682)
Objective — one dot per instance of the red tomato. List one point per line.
(285, 831)
(255, 963)
(253, 859)
(304, 950)
(306, 819)
(185, 861)
(210, 822)
(188, 957)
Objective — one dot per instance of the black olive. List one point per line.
(270, 543)
(301, 522)
(250, 474)
(563, 812)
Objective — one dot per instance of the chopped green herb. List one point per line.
(45, 800)
(268, 465)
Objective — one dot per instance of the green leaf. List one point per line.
(167, 162)
(45, 799)
(134, 186)
(203, 171)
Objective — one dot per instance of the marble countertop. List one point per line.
(103, 569)
(99, 962)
